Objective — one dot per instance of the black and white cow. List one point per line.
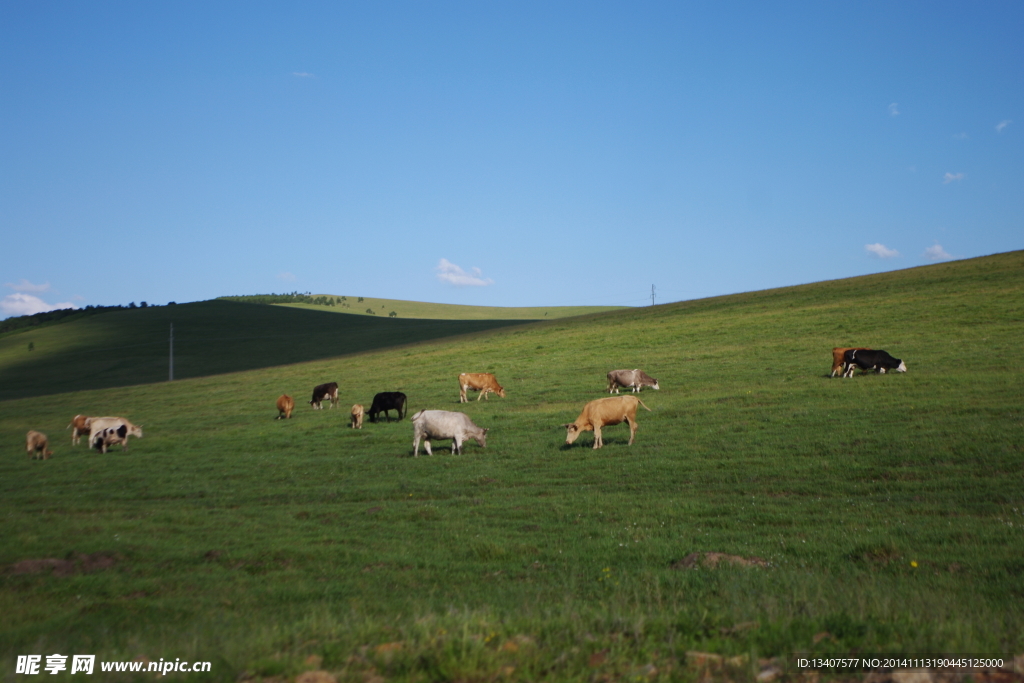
(385, 401)
(871, 360)
(322, 391)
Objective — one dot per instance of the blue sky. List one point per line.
(499, 154)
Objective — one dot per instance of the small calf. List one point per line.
(285, 406)
(357, 416)
(36, 445)
(79, 426)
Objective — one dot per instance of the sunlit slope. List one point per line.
(211, 337)
(889, 506)
(422, 309)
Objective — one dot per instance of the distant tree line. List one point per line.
(293, 298)
(23, 322)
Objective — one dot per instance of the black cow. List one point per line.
(385, 401)
(871, 360)
(322, 391)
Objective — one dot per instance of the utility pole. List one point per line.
(652, 295)
(170, 370)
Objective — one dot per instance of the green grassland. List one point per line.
(126, 347)
(890, 508)
(422, 309)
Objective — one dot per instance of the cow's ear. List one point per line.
(487, 430)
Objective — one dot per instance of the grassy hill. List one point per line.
(421, 309)
(889, 509)
(126, 347)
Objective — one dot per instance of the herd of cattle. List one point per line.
(443, 424)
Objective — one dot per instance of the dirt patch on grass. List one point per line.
(712, 560)
(74, 563)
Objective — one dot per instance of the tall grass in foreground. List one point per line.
(889, 508)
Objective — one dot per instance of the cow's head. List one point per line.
(572, 431)
(481, 438)
(501, 392)
(655, 386)
(902, 367)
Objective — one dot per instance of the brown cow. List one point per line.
(837, 358)
(602, 412)
(484, 382)
(36, 445)
(285, 406)
(357, 416)
(79, 426)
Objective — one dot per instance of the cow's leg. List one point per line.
(426, 444)
(598, 442)
(632, 429)
(881, 371)
(416, 446)
(456, 446)
(462, 393)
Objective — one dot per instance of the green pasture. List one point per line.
(421, 309)
(889, 508)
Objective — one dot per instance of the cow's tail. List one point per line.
(645, 407)
(417, 415)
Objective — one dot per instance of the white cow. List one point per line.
(107, 431)
(443, 424)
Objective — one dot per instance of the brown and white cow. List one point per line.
(36, 444)
(108, 431)
(630, 379)
(837, 358)
(285, 406)
(357, 416)
(322, 391)
(79, 426)
(484, 382)
(604, 412)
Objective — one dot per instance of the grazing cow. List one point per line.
(871, 360)
(36, 444)
(322, 391)
(630, 379)
(602, 412)
(79, 426)
(357, 416)
(443, 424)
(285, 406)
(107, 431)
(484, 382)
(385, 401)
(838, 366)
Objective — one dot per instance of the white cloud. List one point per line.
(950, 177)
(286, 276)
(936, 253)
(894, 109)
(26, 304)
(879, 250)
(26, 286)
(302, 74)
(449, 272)
(961, 136)
(1001, 126)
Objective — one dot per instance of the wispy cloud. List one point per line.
(286, 276)
(961, 136)
(894, 109)
(879, 250)
(451, 273)
(1001, 126)
(302, 74)
(26, 286)
(936, 253)
(950, 177)
(26, 304)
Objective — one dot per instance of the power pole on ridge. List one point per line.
(652, 295)
(170, 369)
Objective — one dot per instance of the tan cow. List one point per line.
(107, 431)
(837, 357)
(357, 416)
(603, 412)
(285, 406)
(36, 444)
(484, 382)
(79, 426)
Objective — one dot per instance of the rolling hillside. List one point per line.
(878, 514)
(211, 337)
